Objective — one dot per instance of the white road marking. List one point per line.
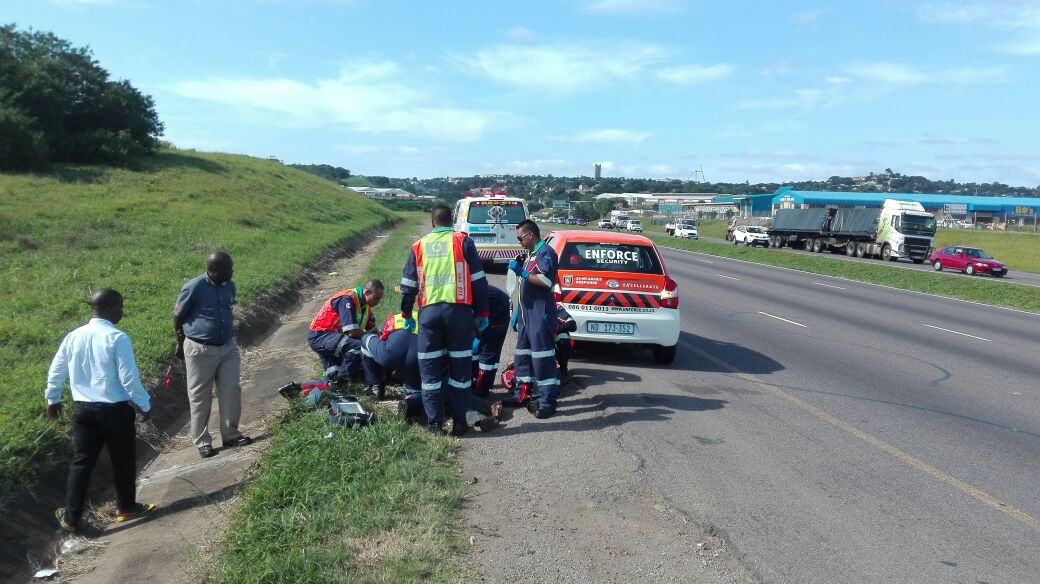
(828, 285)
(705, 261)
(783, 319)
(958, 333)
(728, 277)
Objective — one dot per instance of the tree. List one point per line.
(62, 98)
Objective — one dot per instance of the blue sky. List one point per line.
(759, 91)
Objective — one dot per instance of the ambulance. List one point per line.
(490, 221)
(618, 290)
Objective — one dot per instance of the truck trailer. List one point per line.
(899, 229)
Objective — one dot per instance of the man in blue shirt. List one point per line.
(204, 325)
(535, 357)
(487, 350)
(99, 360)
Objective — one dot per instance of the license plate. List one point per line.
(479, 239)
(611, 328)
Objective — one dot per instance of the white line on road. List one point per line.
(958, 333)
(705, 261)
(828, 285)
(783, 319)
(725, 276)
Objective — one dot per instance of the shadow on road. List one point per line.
(688, 357)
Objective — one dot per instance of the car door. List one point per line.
(958, 259)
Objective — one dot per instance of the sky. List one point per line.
(717, 91)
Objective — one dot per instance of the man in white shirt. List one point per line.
(98, 360)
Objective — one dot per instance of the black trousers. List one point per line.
(95, 425)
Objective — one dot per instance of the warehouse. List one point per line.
(996, 211)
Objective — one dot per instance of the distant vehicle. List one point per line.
(750, 235)
(962, 224)
(899, 229)
(572, 220)
(619, 219)
(605, 224)
(554, 219)
(490, 221)
(763, 222)
(581, 223)
(617, 288)
(634, 225)
(686, 228)
(970, 260)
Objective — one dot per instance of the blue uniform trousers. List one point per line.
(535, 358)
(445, 339)
(350, 364)
(485, 361)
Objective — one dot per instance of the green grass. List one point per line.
(143, 232)
(376, 504)
(1020, 251)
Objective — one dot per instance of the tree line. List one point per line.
(57, 104)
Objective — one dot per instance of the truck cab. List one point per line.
(905, 230)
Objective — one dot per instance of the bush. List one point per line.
(62, 107)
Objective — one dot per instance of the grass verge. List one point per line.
(142, 231)
(375, 504)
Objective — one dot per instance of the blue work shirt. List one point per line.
(98, 359)
(498, 306)
(206, 310)
(543, 266)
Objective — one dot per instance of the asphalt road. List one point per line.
(1013, 276)
(826, 430)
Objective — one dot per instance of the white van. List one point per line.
(490, 221)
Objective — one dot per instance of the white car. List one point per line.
(686, 230)
(617, 289)
(605, 224)
(634, 225)
(750, 235)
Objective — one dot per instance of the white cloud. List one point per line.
(802, 98)
(544, 166)
(365, 97)
(521, 33)
(782, 67)
(634, 6)
(606, 136)
(1020, 18)
(806, 16)
(383, 152)
(561, 68)
(836, 80)
(687, 74)
(900, 74)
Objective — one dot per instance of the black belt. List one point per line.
(207, 342)
(101, 404)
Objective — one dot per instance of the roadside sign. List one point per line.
(558, 204)
(955, 209)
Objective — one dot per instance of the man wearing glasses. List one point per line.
(535, 361)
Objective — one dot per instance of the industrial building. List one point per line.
(976, 209)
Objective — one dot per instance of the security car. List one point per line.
(617, 288)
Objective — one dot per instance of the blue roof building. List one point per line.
(954, 205)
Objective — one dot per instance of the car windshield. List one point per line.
(610, 257)
(917, 224)
(497, 212)
(752, 230)
(977, 253)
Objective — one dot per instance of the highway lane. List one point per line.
(870, 435)
(1014, 276)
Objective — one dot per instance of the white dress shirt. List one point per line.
(99, 361)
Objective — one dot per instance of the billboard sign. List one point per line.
(1020, 211)
(558, 204)
(955, 209)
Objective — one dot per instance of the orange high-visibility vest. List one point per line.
(327, 319)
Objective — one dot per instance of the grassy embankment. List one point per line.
(979, 289)
(375, 504)
(142, 232)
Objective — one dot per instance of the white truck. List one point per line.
(619, 219)
(899, 229)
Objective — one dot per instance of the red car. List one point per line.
(970, 260)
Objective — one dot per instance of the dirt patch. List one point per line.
(272, 335)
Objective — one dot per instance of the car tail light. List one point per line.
(557, 293)
(670, 294)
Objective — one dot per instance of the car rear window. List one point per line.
(610, 257)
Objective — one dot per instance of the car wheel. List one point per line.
(937, 265)
(850, 249)
(817, 246)
(969, 269)
(664, 355)
(861, 250)
(808, 245)
(886, 253)
(735, 242)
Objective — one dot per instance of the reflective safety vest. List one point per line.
(327, 319)
(442, 268)
(394, 323)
